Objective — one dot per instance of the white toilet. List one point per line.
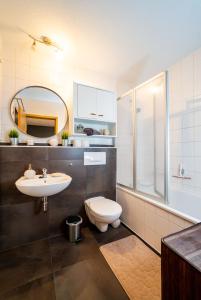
(102, 211)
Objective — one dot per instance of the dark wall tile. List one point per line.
(9, 173)
(22, 223)
(101, 179)
(70, 201)
(56, 221)
(73, 168)
(111, 194)
(95, 179)
(23, 153)
(21, 219)
(60, 208)
(66, 153)
(109, 178)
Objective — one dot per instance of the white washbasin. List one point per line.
(43, 187)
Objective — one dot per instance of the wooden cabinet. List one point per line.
(181, 265)
(95, 104)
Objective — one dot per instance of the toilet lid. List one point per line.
(104, 207)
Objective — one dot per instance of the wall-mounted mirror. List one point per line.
(38, 111)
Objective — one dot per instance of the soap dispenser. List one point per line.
(30, 173)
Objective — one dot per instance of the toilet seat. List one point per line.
(102, 211)
(104, 207)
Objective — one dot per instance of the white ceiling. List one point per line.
(117, 37)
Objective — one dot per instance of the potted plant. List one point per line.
(13, 135)
(64, 137)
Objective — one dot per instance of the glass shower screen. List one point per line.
(125, 140)
(150, 116)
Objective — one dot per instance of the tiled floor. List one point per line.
(57, 269)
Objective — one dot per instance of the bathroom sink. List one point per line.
(43, 187)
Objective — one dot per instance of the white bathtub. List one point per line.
(152, 220)
(186, 203)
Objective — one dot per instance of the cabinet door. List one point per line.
(86, 102)
(106, 106)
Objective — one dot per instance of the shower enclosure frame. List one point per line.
(166, 139)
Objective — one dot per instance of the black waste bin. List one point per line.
(73, 226)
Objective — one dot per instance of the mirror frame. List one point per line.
(43, 87)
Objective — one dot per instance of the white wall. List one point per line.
(22, 67)
(185, 123)
(158, 62)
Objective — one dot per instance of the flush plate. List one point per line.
(94, 158)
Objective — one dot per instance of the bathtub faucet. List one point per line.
(181, 170)
(181, 173)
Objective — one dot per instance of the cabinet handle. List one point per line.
(101, 115)
(93, 114)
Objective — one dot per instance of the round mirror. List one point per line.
(38, 111)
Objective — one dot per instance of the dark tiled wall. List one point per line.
(22, 219)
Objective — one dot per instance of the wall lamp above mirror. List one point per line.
(39, 112)
(45, 40)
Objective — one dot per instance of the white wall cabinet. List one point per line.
(106, 106)
(94, 108)
(86, 102)
(95, 104)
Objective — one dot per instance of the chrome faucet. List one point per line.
(44, 173)
(181, 170)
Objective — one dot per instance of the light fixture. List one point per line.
(44, 40)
